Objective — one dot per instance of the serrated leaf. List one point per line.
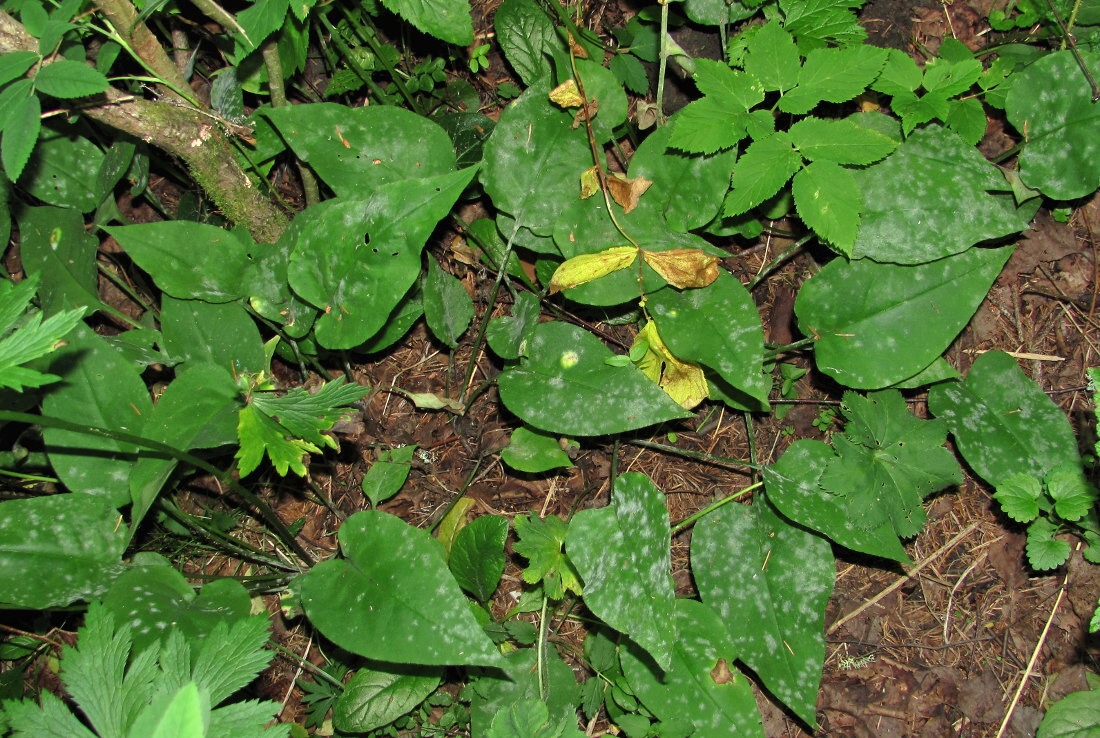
(1050, 100)
(841, 141)
(14, 64)
(622, 553)
(587, 267)
(1044, 551)
(931, 198)
(541, 542)
(28, 339)
(1019, 497)
(494, 691)
(772, 58)
(58, 549)
(818, 22)
(1003, 423)
(68, 79)
(387, 475)
(534, 452)
(966, 118)
(683, 381)
(761, 172)
(752, 566)
(630, 71)
(374, 698)
(829, 201)
(258, 434)
(687, 689)
(900, 75)
(24, 121)
(477, 556)
(949, 79)
(729, 88)
(707, 126)
(885, 337)
(717, 327)
(564, 386)
(391, 597)
(1073, 496)
(833, 75)
(447, 20)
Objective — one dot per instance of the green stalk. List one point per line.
(692, 519)
(791, 251)
(662, 67)
(722, 461)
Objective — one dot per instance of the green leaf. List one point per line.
(1076, 715)
(707, 126)
(448, 309)
(154, 600)
(391, 597)
(629, 70)
(900, 75)
(477, 556)
(564, 386)
(507, 334)
(101, 389)
(374, 698)
(14, 64)
(1003, 423)
(717, 701)
(622, 552)
(718, 327)
(1073, 496)
(1051, 102)
(966, 118)
(751, 566)
(527, 37)
(772, 58)
(356, 259)
(357, 150)
(951, 78)
(602, 86)
(816, 23)
(28, 338)
(531, 718)
(932, 198)
(387, 475)
(447, 20)
(260, 20)
(24, 121)
(493, 692)
(190, 261)
(761, 172)
(829, 201)
(179, 714)
(832, 75)
(795, 486)
(1019, 497)
(886, 336)
(55, 247)
(68, 79)
(534, 452)
(258, 434)
(59, 549)
(1044, 551)
(540, 541)
(842, 141)
(222, 334)
(534, 159)
(687, 191)
(64, 168)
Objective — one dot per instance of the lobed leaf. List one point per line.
(1019, 497)
(761, 172)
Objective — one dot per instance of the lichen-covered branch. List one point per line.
(183, 131)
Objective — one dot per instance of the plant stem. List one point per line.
(277, 87)
(791, 251)
(723, 461)
(540, 653)
(777, 350)
(692, 519)
(366, 31)
(662, 66)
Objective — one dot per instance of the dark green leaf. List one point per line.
(64, 168)
(819, 22)
(222, 334)
(387, 475)
(1073, 496)
(1044, 551)
(448, 309)
(374, 698)
(527, 37)
(508, 333)
(67, 79)
(540, 541)
(534, 452)
(23, 122)
(477, 556)
(1076, 715)
(447, 20)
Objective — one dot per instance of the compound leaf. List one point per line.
(832, 75)
(761, 172)
(541, 541)
(829, 202)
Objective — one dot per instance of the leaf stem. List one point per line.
(692, 519)
(777, 350)
(723, 461)
(540, 654)
(662, 65)
(793, 250)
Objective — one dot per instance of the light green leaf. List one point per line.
(101, 389)
(1044, 551)
(622, 553)
(753, 567)
(50, 720)
(772, 58)
(886, 336)
(718, 327)
(374, 698)
(477, 556)
(900, 75)
(181, 714)
(829, 201)
(391, 597)
(717, 701)
(949, 79)
(387, 475)
(190, 261)
(1019, 497)
(527, 37)
(258, 434)
(531, 719)
(356, 150)
(540, 541)
(708, 125)
(28, 338)
(23, 123)
(356, 259)
(1073, 496)
(260, 20)
(1003, 423)
(1051, 100)
(225, 335)
(447, 20)
(68, 79)
(819, 22)
(59, 549)
(842, 141)
(730, 88)
(932, 198)
(832, 75)
(1076, 715)
(795, 487)
(534, 452)
(448, 309)
(761, 172)
(564, 386)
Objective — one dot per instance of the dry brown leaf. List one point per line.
(683, 268)
(627, 191)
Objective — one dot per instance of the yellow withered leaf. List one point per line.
(586, 267)
(567, 95)
(626, 191)
(683, 268)
(684, 382)
(590, 183)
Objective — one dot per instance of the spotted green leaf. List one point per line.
(622, 553)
